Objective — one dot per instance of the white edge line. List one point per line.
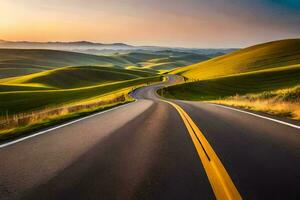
(61, 126)
(260, 116)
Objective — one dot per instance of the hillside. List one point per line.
(41, 99)
(16, 62)
(19, 62)
(241, 84)
(257, 69)
(258, 57)
(162, 60)
(72, 77)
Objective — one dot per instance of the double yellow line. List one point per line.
(222, 185)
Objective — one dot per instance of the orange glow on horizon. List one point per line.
(36, 20)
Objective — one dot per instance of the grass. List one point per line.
(23, 101)
(252, 82)
(19, 62)
(284, 102)
(16, 62)
(161, 61)
(17, 125)
(29, 117)
(258, 57)
(73, 77)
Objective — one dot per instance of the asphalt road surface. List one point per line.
(146, 150)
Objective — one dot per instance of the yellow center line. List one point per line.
(222, 185)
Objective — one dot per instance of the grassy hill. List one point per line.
(258, 57)
(14, 102)
(162, 61)
(72, 77)
(241, 84)
(264, 77)
(16, 62)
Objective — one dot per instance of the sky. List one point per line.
(174, 23)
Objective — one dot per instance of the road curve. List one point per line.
(144, 151)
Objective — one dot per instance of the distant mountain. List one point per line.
(105, 49)
(81, 45)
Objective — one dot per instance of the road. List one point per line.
(150, 149)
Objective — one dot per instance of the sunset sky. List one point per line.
(185, 23)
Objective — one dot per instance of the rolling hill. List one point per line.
(14, 102)
(16, 62)
(257, 69)
(240, 84)
(258, 57)
(72, 77)
(162, 61)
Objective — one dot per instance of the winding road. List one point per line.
(157, 149)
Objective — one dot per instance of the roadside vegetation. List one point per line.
(264, 78)
(14, 102)
(12, 126)
(38, 109)
(284, 102)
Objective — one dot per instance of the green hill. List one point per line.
(72, 77)
(257, 69)
(258, 57)
(16, 62)
(241, 84)
(13, 102)
(135, 57)
(37, 79)
(162, 60)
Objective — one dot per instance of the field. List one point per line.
(162, 61)
(18, 62)
(73, 77)
(41, 99)
(251, 82)
(254, 71)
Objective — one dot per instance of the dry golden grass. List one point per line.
(285, 109)
(9, 124)
(276, 102)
